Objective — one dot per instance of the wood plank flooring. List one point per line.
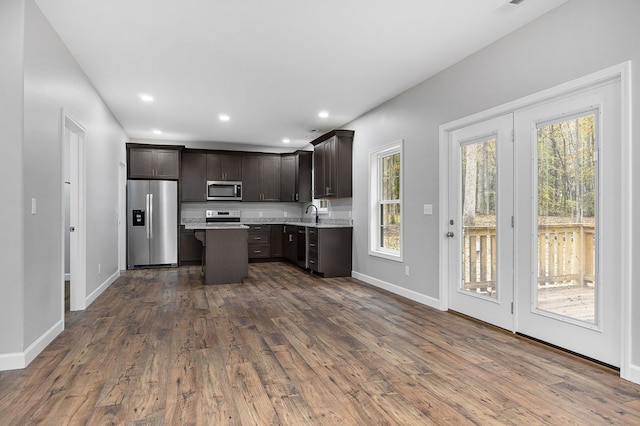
(286, 348)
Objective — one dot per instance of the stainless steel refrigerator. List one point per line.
(152, 223)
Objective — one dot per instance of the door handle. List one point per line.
(72, 229)
(449, 234)
(148, 217)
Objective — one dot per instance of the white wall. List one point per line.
(579, 38)
(52, 81)
(12, 206)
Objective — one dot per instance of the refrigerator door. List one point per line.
(137, 223)
(163, 226)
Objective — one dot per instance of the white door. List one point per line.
(73, 135)
(568, 222)
(480, 222)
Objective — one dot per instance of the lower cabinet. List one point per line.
(330, 251)
(276, 240)
(290, 243)
(190, 247)
(259, 242)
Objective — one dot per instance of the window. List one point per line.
(385, 219)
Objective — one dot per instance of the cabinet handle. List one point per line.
(311, 245)
(257, 238)
(312, 261)
(257, 227)
(297, 196)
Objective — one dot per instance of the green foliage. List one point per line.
(566, 168)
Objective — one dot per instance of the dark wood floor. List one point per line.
(288, 348)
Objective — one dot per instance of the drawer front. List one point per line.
(258, 251)
(313, 236)
(259, 236)
(313, 259)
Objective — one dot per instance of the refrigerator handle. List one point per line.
(150, 215)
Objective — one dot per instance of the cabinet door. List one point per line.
(214, 167)
(318, 170)
(167, 164)
(290, 243)
(190, 248)
(141, 162)
(224, 167)
(276, 240)
(252, 178)
(270, 177)
(231, 167)
(303, 176)
(194, 180)
(288, 178)
(330, 169)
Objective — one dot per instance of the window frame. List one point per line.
(375, 202)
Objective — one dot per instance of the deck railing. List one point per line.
(565, 256)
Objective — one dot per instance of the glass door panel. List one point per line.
(566, 190)
(479, 238)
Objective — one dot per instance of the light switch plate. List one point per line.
(428, 209)
(33, 206)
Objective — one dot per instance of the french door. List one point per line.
(568, 212)
(480, 227)
(535, 208)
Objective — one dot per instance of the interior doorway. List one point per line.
(74, 252)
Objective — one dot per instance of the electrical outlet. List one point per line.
(259, 214)
(406, 270)
(99, 268)
(33, 206)
(285, 214)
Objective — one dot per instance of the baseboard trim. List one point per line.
(18, 360)
(105, 285)
(396, 289)
(631, 373)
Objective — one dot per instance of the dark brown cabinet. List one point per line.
(276, 240)
(295, 176)
(332, 164)
(153, 163)
(222, 167)
(259, 241)
(290, 243)
(330, 251)
(261, 177)
(193, 183)
(190, 247)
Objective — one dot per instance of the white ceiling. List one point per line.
(271, 65)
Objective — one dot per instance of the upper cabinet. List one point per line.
(153, 163)
(295, 176)
(332, 164)
(193, 184)
(224, 167)
(261, 177)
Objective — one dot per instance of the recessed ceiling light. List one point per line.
(145, 98)
(224, 117)
(323, 114)
(157, 132)
(285, 140)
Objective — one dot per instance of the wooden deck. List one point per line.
(286, 348)
(576, 302)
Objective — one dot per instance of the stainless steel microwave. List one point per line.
(218, 190)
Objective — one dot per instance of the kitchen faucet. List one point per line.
(313, 205)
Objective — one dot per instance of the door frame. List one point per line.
(622, 71)
(122, 215)
(77, 239)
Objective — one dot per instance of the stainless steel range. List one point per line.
(222, 216)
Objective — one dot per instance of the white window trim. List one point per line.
(374, 211)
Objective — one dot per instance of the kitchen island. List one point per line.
(224, 259)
